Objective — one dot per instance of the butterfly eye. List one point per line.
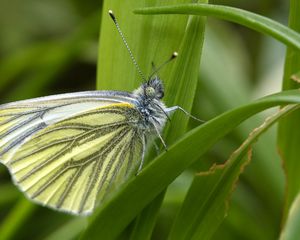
(150, 92)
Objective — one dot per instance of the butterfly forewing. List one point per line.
(20, 120)
(76, 161)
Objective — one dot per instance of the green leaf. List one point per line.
(242, 17)
(184, 78)
(182, 83)
(288, 130)
(207, 201)
(142, 189)
(291, 230)
(151, 39)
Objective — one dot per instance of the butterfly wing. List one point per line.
(73, 163)
(20, 120)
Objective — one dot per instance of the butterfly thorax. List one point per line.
(150, 106)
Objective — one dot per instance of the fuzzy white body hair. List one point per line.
(152, 109)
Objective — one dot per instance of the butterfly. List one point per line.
(69, 151)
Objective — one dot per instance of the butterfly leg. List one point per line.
(160, 137)
(173, 109)
(156, 148)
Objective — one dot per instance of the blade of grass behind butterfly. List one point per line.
(288, 130)
(291, 229)
(150, 39)
(207, 201)
(251, 20)
(182, 83)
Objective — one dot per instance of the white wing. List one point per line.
(20, 120)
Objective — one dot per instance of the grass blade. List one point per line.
(251, 20)
(291, 230)
(206, 203)
(288, 130)
(142, 189)
(182, 83)
(150, 39)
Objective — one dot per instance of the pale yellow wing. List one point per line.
(19, 120)
(72, 164)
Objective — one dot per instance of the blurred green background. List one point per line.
(49, 47)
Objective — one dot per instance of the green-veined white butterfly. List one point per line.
(66, 151)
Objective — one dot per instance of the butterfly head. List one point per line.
(153, 89)
(150, 106)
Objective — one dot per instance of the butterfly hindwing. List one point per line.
(74, 162)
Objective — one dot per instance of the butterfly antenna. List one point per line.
(157, 69)
(111, 14)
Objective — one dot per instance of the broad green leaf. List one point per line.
(291, 230)
(184, 77)
(151, 39)
(251, 20)
(143, 188)
(207, 201)
(288, 130)
(181, 91)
